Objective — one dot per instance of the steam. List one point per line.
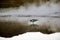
(45, 9)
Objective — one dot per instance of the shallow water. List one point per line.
(46, 10)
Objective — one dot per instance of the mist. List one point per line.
(48, 10)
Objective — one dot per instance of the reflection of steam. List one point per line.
(10, 28)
